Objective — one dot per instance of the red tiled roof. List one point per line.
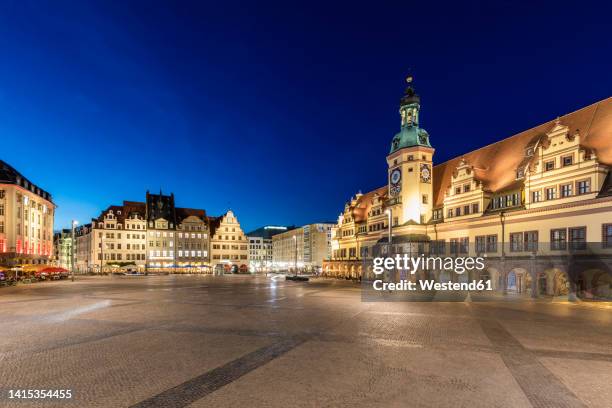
(495, 165)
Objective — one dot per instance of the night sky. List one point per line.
(280, 111)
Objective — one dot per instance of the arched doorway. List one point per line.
(602, 285)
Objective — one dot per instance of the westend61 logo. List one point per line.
(409, 264)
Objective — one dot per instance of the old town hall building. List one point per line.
(534, 195)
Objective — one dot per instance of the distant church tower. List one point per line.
(410, 164)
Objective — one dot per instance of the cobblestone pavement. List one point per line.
(232, 341)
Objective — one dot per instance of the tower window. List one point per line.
(425, 199)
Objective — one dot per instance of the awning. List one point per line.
(53, 269)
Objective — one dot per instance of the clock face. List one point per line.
(425, 173)
(396, 176)
(395, 190)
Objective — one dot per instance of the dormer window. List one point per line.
(520, 173)
(457, 190)
(529, 152)
(549, 165)
(466, 188)
(567, 160)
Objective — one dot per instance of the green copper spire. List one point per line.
(410, 134)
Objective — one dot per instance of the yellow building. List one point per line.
(305, 247)
(26, 220)
(540, 195)
(229, 244)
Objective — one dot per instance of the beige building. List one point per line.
(151, 236)
(304, 247)
(115, 239)
(536, 195)
(192, 240)
(229, 244)
(26, 220)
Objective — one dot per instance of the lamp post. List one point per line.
(389, 213)
(73, 248)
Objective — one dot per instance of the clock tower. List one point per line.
(410, 165)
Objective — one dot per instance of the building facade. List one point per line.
(62, 248)
(192, 240)
(26, 220)
(161, 231)
(260, 247)
(229, 244)
(150, 236)
(116, 239)
(533, 195)
(304, 248)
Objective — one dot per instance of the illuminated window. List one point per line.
(566, 190)
(536, 196)
(583, 186)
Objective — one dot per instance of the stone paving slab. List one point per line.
(590, 381)
(123, 370)
(318, 374)
(249, 341)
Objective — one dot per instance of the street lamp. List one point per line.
(389, 213)
(73, 248)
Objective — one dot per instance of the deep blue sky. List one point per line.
(281, 111)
